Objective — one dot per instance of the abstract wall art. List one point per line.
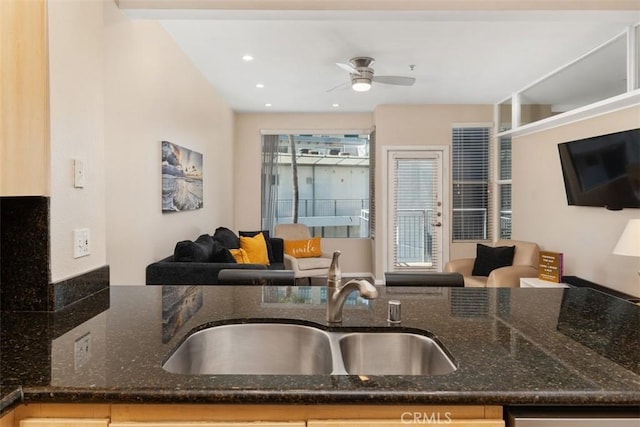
(181, 178)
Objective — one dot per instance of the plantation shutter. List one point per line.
(504, 187)
(470, 178)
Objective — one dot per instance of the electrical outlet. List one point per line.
(78, 174)
(82, 351)
(80, 242)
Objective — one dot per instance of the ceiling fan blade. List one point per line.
(340, 86)
(395, 80)
(348, 68)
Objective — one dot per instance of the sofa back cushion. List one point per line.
(526, 252)
(200, 250)
(226, 238)
(221, 254)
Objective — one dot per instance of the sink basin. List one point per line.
(293, 349)
(254, 348)
(395, 353)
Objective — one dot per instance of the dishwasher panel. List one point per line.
(588, 417)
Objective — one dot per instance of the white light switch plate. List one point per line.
(78, 174)
(80, 242)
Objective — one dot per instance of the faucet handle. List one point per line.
(334, 275)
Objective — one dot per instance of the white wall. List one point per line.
(586, 235)
(77, 132)
(356, 253)
(153, 93)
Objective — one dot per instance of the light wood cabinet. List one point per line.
(7, 419)
(24, 98)
(210, 415)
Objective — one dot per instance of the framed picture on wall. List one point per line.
(181, 178)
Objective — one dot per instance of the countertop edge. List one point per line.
(11, 399)
(48, 395)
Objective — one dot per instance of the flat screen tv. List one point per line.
(603, 170)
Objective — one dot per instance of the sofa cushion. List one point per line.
(201, 250)
(488, 258)
(277, 266)
(267, 240)
(226, 238)
(221, 254)
(475, 281)
(313, 263)
(256, 248)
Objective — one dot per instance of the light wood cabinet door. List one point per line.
(24, 98)
(404, 423)
(211, 424)
(7, 419)
(64, 422)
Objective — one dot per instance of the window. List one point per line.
(318, 180)
(471, 218)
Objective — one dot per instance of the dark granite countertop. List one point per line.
(512, 346)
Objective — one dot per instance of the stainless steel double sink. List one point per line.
(294, 349)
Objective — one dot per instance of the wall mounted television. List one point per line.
(603, 170)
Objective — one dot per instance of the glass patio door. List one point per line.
(416, 210)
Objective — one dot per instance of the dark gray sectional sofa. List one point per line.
(199, 262)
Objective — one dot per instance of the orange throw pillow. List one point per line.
(256, 248)
(307, 248)
(240, 255)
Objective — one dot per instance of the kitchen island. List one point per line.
(569, 347)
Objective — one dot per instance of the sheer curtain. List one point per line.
(269, 180)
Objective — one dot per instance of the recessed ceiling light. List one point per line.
(335, 105)
(247, 58)
(267, 105)
(259, 85)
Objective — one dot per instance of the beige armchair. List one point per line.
(302, 267)
(525, 264)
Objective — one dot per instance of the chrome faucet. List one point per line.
(337, 292)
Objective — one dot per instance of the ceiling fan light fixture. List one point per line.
(361, 85)
(361, 82)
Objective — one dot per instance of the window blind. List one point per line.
(505, 158)
(415, 208)
(471, 219)
(505, 211)
(372, 184)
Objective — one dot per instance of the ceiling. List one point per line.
(458, 57)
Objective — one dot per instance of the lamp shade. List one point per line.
(629, 242)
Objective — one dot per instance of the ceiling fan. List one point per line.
(362, 76)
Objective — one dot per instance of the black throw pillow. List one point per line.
(265, 233)
(221, 254)
(488, 258)
(199, 251)
(226, 238)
